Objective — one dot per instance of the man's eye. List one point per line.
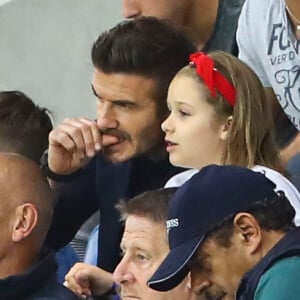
(142, 257)
(123, 252)
(125, 105)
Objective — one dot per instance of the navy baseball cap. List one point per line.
(212, 195)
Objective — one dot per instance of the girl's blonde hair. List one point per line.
(250, 141)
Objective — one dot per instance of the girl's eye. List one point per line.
(184, 113)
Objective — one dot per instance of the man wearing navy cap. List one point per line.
(235, 235)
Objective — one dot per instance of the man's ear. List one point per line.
(248, 230)
(225, 129)
(25, 220)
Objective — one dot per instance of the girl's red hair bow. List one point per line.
(213, 79)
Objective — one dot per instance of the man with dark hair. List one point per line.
(234, 234)
(144, 245)
(24, 126)
(27, 271)
(24, 130)
(122, 153)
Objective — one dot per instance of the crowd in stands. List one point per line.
(191, 170)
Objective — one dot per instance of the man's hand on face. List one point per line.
(73, 143)
(86, 280)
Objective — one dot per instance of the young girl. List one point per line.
(219, 115)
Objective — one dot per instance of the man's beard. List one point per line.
(214, 293)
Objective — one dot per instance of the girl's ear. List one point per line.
(225, 128)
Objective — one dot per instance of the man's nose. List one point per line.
(200, 288)
(130, 9)
(106, 118)
(123, 274)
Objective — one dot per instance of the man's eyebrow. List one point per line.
(116, 101)
(124, 102)
(198, 259)
(202, 257)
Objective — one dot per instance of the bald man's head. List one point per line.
(26, 201)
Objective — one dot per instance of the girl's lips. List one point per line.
(170, 145)
(170, 142)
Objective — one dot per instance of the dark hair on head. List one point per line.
(271, 214)
(152, 205)
(24, 126)
(145, 46)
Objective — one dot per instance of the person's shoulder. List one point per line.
(281, 281)
(231, 6)
(55, 292)
(268, 172)
(285, 185)
(291, 264)
(180, 178)
(281, 182)
(257, 5)
(257, 12)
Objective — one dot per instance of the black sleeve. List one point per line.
(77, 201)
(285, 130)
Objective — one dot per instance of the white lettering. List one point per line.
(172, 223)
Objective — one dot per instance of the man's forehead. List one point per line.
(138, 224)
(122, 86)
(141, 229)
(207, 248)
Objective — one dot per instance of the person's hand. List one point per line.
(73, 143)
(86, 280)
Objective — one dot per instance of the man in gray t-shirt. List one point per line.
(269, 42)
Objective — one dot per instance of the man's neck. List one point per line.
(200, 21)
(270, 239)
(293, 12)
(157, 154)
(15, 264)
(294, 6)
